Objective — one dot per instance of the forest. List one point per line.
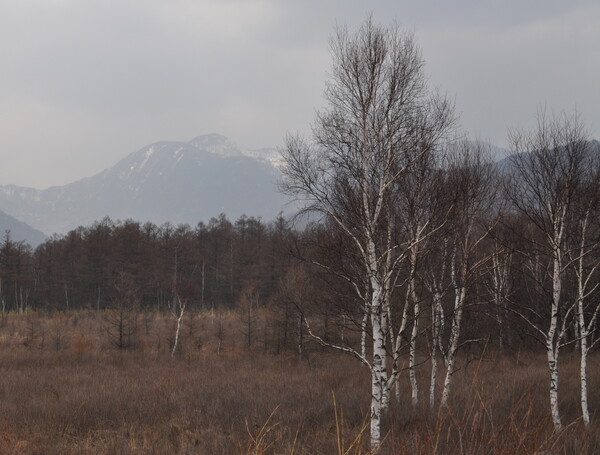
(427, 298)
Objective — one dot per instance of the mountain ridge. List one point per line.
(19, 231)
(180, 182)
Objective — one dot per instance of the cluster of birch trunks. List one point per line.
(425, 225)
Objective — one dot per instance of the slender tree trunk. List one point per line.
(98, 298)
(179, 319)
(175, 343)
(552, 344)
(412, 297)
(435, 344)
(202, 291)
(2, 298)
(453, 345)
(500, 290)
(413, 357)
(66, 296)
(583, 379)
(398, 345)
(378, 381)
(300, 337)
(581, 328)
(433, 379)
(583, 346)
(553, 366)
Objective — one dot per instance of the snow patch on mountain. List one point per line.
(180, 182)
(217, 145)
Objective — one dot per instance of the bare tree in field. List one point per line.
(380, 118)
(498, 284)
(471, 184)
(463, 211)
(249, 301)
(423, 214)
(178, 311)
(547, 169)
(122, 318)
(583, 255)
(435, 278)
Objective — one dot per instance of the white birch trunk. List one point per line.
(398, 345)
(552, 344)
(453, 346)
(179, 319)
(413, 357)
(501, 289)
(378, 382)
(583, 346)
(435, 344)
(583, 380)
(432, 384)
(581, 326)
(412, 298)
(363, 335)
(553, 365)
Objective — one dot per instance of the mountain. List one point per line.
(180, 182)
(20, 231)
(507, 164)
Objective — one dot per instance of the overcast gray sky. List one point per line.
(85, 82)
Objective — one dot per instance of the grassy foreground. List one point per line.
(65, 389)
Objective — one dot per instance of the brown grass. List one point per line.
(65, 390)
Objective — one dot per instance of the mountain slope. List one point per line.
(180, 182)
(507, 164)
(20, 231)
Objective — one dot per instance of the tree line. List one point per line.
(210, 265)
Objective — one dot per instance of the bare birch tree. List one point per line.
(435, 279)
(498, 284)
(583, 255)
(380, 118)
(423, 213)
(471, 178)
(178, 311)
(547, 166)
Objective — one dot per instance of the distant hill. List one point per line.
(506, 164)
(180, 182)
(19, 231)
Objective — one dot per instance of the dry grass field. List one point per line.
(65, 389)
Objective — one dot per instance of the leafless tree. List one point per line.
(121, 318)
(178, 311)
(249, 312)
(435, 279)
(545, 180)
(582, 253)
(424, 213)
(471, 183)
(381, 117)
(498, 284)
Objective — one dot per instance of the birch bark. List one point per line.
(549, 167)
(380, 117)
